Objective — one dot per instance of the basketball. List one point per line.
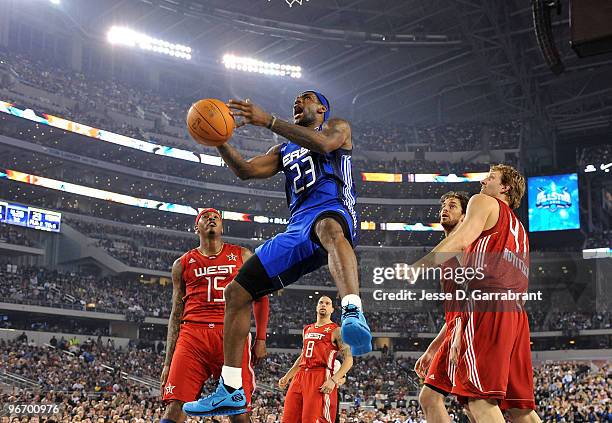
(209, 122)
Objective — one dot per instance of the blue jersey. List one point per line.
(315, 180)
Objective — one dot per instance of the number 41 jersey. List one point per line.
(205, 279)
(314, 179)
(502, 255)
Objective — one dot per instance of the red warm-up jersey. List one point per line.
(205, 280)
(318, 349)
(502, 253)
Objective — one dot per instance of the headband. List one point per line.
(324, 101)
(208, 210)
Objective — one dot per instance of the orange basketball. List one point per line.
(209, 122)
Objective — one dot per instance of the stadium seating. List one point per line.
(86, 94)
(89, 381)
(15, 235)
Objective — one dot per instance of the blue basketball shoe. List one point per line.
(219, 403)
(355, 330)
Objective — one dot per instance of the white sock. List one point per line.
(232, 376)
(352, 299)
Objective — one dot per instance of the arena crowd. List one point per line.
(88, 383)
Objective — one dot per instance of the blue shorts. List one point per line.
(289, 255)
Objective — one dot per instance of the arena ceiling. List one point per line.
(412, 60)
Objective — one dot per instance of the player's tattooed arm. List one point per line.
(174, 324)
(347, 361)
(258, 167)
(336, 134)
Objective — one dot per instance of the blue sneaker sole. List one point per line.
(358, 337)
(222, 411)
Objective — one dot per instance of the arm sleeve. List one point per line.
(261, 311)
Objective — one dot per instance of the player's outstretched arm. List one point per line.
(335, 134)
(482, 213)
(423, 363)
(174, 324)
(258, 167)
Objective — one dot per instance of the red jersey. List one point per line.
(453, 307)
(205, 280)
(318, 349)
(502, 253)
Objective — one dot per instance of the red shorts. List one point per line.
(441, 372)
(198, 356)
(304, 401)
(495, 360)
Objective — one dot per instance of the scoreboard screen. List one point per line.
(31, 217)
(16, 215)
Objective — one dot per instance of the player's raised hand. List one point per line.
(259, 351)
(328, 386)
(283, 382)
(423, 363)
(249, 113)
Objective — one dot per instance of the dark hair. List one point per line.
(462, 196)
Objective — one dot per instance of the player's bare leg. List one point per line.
(343, 268)
(236, 326)
(174, 412)
(341, 257)
(486, 411)
(523, 416)
(433, 406)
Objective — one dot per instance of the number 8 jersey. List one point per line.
(319, 350)
(314, 179)
(205, 279)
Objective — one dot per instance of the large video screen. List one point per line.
(553, 203)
